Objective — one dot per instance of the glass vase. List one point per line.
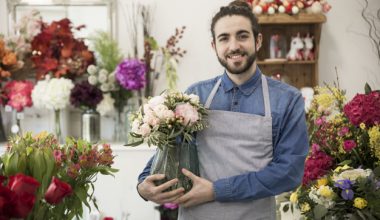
(170, 160)
(90, 126)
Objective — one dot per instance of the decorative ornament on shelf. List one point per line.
(41, 179)
(296, 48)
(342, 172)
(291, 7)
(169, 121)
(308, 50)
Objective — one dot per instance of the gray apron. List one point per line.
(234, 143)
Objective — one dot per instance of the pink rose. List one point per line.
(187, 112)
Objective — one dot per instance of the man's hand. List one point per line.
(202, 191)
(151, 192)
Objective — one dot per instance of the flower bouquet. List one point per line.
(48, 180)
(169, 121)
(342, 172)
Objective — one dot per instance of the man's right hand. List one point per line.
(151, 192)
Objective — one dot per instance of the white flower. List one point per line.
(92, 69)
(103, 72)
(53, 93)
(353, 175)
(105, 87)
(92, 80)
(102, 78)
(194, 98)
(316, 196)
(106, 105)
(159, 110)
(157, 100)
(151, 120)
(135, 126)
(111, 77)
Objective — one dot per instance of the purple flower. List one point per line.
(85, 95)
(343, 184)
(347, 194)
(131, 74)
(170, 206)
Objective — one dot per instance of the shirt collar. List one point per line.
(246, 88)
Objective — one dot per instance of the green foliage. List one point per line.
(107, 50)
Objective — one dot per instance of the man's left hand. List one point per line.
(202, 191)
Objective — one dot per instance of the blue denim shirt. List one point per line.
(290, 139)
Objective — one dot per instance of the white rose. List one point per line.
(103, 72)
(194, 98)
(188, 112)
(58, 93)
(151, 120)
(157, 100)
(102, 78)
(106, 105)
(135, 126)
(92, 69)
(159, 110)
(353, 175)
(92, 80)
(105, 87)
(39, 94)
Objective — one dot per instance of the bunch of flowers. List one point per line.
(342, 172)
(289, 6)
(85, 95)
(56, 50)
(130, 74)
(101, 78)
(169, 121)
(167, 116)
(52, 93)
(64, 174)
(8, 61)
(18, 94)
(18, 196)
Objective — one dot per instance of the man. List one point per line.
(256, 142)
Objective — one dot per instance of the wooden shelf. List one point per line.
(301, 18)
(285, 62)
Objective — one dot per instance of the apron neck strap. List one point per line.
(265, 94)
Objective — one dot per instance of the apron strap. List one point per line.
(265, 95)
(212, 94)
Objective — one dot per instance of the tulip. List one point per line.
(56, 191)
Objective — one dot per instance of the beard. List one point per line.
(240, 69)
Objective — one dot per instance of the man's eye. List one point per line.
(222, 39)
(243, 36)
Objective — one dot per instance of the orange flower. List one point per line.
(2, 48)
(10, 59)
(4, 73)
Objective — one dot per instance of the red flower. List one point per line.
(6, 196)
(316, 166)
(22, 184)
(364, 108)
(56, 191)
(22, 205)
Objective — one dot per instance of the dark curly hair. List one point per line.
(237, 7)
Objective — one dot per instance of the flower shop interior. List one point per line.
(80, 69)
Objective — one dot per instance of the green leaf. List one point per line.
(345, 162)
(367, 88)
(81, 193)
(29, 150)
(319, 211)
(10, 165)
(376, 171)
(285, 208)
(134, 144)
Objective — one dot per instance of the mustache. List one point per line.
(237, 52)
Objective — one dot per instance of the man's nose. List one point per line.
(234, 44)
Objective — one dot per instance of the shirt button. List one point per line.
(235, 103)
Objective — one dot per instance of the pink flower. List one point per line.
(343, 131)
(18, 94)
(316, 166)
(348, 145)
(364, 108)
(319, 121)
(57, 156)
(315, 148)
(187, 112)
(170, 206)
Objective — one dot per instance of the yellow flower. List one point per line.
(322, 182)
(340, 168)
(374, 140)
(325, 101)
(362, 125)
(41, 135)
(360, 203)
(305, 207)
(294, 197)
(326, 192)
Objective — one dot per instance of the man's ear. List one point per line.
(259, 41)
(213, 45)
